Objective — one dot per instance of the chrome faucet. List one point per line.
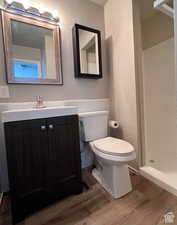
(40, 102)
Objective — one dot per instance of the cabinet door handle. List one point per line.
(43, 127)
(51, 127)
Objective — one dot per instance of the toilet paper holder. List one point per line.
(114, 124)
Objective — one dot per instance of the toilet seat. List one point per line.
(113, 146)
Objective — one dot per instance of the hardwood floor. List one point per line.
(145, 205)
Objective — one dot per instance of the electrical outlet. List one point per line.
(4, 92)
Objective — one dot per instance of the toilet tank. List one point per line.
(94, 125)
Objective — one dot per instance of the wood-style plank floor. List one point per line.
(145, 205)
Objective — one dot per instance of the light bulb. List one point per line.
(9, 2)
(41, 9)
(55, 14)
(26, 4)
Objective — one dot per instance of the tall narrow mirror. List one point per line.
(32, 50)
(87, 52)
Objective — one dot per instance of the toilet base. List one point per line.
(114, 179)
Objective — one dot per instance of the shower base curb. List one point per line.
(159, 178)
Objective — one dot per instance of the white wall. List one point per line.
(92, 63)
(89, 61)
(120, 45)
(50, 57)
(28, 54)
(70, 12)
(139, 77)
(175, 28)
(160, 101)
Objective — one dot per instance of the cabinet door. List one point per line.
(64, 171)
(27, 149)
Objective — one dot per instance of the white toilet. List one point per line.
(111, 154)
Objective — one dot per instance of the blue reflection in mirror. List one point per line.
(23, 69)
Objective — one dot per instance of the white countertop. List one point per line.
(33, 113)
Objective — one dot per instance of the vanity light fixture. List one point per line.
(41, 8)
(26, 7)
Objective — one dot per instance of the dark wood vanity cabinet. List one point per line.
(43, 162)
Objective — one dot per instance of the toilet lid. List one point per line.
(113, 146)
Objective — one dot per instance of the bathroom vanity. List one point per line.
(43, 157)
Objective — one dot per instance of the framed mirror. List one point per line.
(87, 52)
(32, 50)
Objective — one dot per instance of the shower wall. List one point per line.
(160, 101)
(157, 29)
(160, 91)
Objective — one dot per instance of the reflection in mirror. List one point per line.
(87, 52)
(33, 55)
(34, 51)
(88, 43)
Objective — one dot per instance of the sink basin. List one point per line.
(33, 113)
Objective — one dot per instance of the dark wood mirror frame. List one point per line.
(7, 17)
(76, 52)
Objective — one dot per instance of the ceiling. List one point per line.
(21, 35)
(146, 7)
